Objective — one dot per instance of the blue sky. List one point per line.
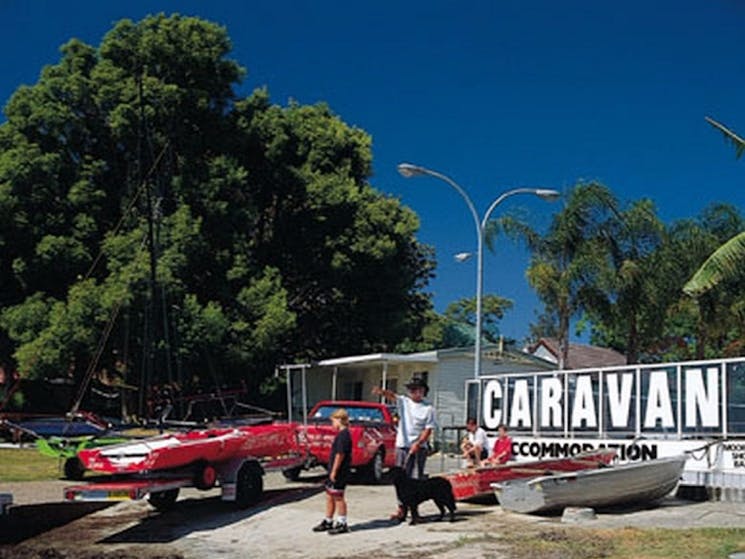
(495, 94)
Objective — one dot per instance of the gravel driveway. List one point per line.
(201, 525)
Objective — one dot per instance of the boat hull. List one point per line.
(635, 482)
(211, 446)
(476, 482)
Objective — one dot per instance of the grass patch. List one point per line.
(703, 542)
(627, 543)
(27, 464)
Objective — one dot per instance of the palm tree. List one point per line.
(726, 261)
(566, 261)
(627, 309)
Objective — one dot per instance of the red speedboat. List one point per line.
(476, 482)
(208, 446)
(235, 458)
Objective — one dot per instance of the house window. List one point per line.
(352, 391)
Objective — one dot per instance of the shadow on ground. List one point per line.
(27, 521)
(190, 515)
(377, 524)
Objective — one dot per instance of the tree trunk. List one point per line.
(632, 340)
(563, 338)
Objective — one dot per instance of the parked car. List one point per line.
(373, 431)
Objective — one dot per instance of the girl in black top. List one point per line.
(339, 465)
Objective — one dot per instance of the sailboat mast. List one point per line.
(149, 341)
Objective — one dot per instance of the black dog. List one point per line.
(411, 492)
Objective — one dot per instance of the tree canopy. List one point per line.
(619, 271)
(568, 260)
(269, 242)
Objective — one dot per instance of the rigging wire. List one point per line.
(100, 347)
(117, 307)
(128, 209)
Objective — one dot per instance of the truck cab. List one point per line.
(373, 430)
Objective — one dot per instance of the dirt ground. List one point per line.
(40, 525)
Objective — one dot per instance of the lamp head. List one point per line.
(548, 194)
(408, 170)
(462, 256)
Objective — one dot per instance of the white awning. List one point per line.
(379, 358)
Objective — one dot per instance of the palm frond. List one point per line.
(725, 263)
(513, 228)
(737, 142)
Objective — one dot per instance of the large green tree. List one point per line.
(269, 242)
(713, 323)
(493, 308)
(627, 309)
(456, 326)
(641, 310)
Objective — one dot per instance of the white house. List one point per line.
(445, 370)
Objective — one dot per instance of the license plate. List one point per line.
(101, 495)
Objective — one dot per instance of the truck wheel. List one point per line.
(292, 474)
(249, 486)
(163, 500)
(374, 469)
(74, 468)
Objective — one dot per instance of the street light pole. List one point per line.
(408, 170)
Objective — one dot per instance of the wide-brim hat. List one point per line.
(418, 382)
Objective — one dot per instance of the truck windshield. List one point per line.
(355, 414)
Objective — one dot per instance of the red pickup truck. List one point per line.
(373, 437)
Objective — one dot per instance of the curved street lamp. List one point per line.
(408, 170)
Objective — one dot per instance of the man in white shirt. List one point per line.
(416, 421)
(475, 445)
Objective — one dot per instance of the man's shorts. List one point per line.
(335, 488)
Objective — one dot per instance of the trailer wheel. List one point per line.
(292, 474)
(249, 486)
(74, 468)
(163, 500)
(205, 477)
